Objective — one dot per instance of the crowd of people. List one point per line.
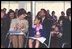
(20, 21)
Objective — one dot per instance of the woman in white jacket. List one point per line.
(19, 27)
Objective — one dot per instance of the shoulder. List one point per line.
(14, 20)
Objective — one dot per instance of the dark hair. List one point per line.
(38, 19)
(68, 11)
(21, 11)
(53, 12)
(29, 13)
(11, 11)
(44, 12)
(16, 9)
(62, 11)
(38, 14)
(2, 10)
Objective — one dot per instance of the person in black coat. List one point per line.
(66, 38)
(29, 18)
(4, 30)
